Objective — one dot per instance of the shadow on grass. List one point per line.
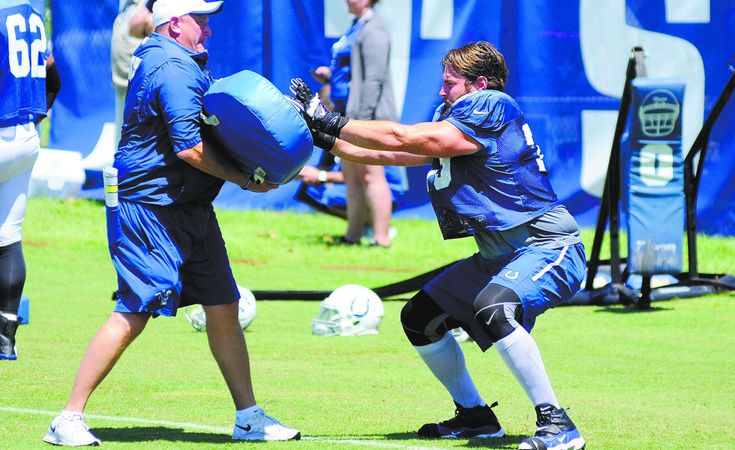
(158, 433)
(507, 441)
(631, 309)
(153, 433)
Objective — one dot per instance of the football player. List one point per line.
(26, 93)
(487, 180)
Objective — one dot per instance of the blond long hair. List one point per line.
(479, 59)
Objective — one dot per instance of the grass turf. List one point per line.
(655, 379)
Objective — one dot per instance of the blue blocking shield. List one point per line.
(653, 177)
(258, 126)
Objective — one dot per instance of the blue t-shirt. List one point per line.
(503, 185)
(341, 70)
(23, 55)
(161, 118)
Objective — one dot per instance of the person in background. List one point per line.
(324, 190)
(164, 237)
(29, 83)
(133, 23)
(488, 180)
(360, 87)
(315, 175)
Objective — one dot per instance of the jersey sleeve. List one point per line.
(180, 93)
(484, 113)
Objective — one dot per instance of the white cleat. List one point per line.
(262, 427)
(69, 430)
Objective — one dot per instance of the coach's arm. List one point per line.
(205, 157)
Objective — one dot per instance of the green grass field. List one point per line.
(632, 380)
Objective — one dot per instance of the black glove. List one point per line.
(320, 138)
(323, 120)
(323, 140)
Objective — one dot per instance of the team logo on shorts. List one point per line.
(511, 274)
(164, 297)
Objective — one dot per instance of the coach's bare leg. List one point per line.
(356, 202)
(102, 353)
(227, 343)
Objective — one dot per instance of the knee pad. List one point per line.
(497, 310)
(424, 322)
(12, 277)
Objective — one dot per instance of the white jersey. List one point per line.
(22, 102)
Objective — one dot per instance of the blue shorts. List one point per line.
(168, 257)
(541, 277)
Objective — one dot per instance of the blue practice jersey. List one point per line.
(503, 185)
(162, 118)
(22, 63)
(341, 67)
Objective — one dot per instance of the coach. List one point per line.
(164, 238)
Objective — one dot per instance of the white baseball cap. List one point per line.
(164, 10)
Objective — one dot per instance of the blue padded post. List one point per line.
(653, 177)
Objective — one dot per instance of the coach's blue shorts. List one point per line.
(168, 257)
(541, 277)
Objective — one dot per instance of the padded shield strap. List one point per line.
(209, 120)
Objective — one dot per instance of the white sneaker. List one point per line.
(262, 427)
(368, 232)
(70, 430)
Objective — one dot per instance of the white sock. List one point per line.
(520, 353)
(246, 413)
(9, 316)
(446, 361)
(67, 413)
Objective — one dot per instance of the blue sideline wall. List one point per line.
(567, 67)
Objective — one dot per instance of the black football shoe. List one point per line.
(7, 337)
(476, 422)
(555, 431)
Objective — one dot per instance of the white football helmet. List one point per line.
(350, 310)
(247, 307)
(198, 319)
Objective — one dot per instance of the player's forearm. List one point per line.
(375, 134)
(419, 139)
(351, 152)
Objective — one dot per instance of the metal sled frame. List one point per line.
(689, 284)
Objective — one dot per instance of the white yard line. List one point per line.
(197, 426)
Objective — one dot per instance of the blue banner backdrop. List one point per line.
(567, 68)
